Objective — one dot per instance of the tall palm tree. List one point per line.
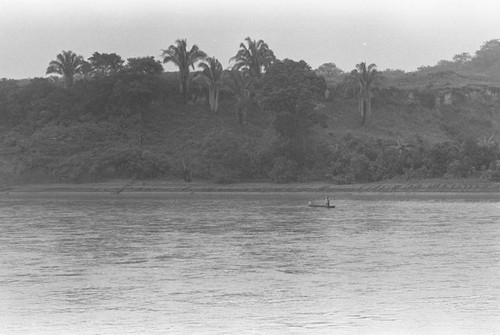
(211, 77)
(238, 83)
(254, 57)
(366, 77)
(184, 59)
(67, 64)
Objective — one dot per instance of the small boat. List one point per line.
(324, 206)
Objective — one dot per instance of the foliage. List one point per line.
(328, 70)
(113, 162)
(67, 64)
(239, 83)
(439, 157)
(426, 98)
(284, 171)
(145, 66)
(253, 57)
(488, 56)
(183, 59)
(289, 89)
(104, 65)
(366, 77)
(121, 121)
(227, 156)
(211, 77)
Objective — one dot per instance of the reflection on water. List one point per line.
(248, 264)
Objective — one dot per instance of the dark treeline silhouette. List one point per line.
(261, 119)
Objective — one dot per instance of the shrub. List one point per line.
(226, 157)
(388, 164)
(439, 157)
(360, 168)
(284, 171)
(460, 168)
(426, 98)
(111, 163)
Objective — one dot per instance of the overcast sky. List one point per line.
(396, 34)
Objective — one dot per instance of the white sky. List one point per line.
(396, 34)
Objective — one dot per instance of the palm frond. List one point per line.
(67, 64)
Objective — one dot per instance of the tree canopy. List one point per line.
(254, 57)
(289, 89)
(104, 64)
(68, 64)
(184, 59)
(488, 55)
(144, 66)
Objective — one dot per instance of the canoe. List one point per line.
(324, 206)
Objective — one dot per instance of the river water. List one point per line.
(249, 264)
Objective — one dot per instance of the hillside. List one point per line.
(427, 124)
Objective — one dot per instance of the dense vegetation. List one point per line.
(264, 119)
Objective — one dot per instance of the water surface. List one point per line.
(248, 264)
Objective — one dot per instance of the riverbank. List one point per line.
(120, 186)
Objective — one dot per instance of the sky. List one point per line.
(394, 34)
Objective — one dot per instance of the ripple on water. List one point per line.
(226, 264)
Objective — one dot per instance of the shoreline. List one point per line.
(158, 186)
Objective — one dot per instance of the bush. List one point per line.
(111, 163)
(426, 98)
(226, 157)
(493, 173)
(460, 168)
(360, 168)
(439, 158)
(284, 171)
(388, 164)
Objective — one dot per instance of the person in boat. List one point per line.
(327, 202)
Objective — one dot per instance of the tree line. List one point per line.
(102, 123)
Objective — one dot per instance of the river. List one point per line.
(249, 264)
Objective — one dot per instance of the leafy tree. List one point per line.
(329, 70)
(103, 65)
(211, 77)
(332, 74)
(488, 55)
(462, 58)
(239, 82)
(67, 64)
(254, 57)
(144, 66)
(366, 78)
(184, 59)
(289, 90)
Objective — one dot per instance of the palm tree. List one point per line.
(238, 83)
(180, 56)
(254, 57)
(67, 64)
(211, 77)
(366, 77)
